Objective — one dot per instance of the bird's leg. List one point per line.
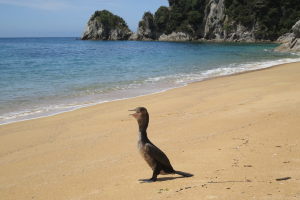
(156, 171)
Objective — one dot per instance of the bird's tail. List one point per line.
(185, 174)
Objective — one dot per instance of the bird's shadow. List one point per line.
(161, 179)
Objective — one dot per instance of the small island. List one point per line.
(103, 25)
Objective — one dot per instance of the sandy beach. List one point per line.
(236, 134)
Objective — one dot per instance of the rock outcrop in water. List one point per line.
(291, 41)
(104, 25)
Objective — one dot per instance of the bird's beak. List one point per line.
(133, 114)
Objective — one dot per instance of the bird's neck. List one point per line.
(143, 136)
(143, 125)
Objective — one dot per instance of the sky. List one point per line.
(65, 18)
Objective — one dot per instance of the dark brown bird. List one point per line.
(155, 157)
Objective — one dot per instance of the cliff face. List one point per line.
(214, 20)
(103, 25)
(219, 27)
(296, 29)
(291, 40)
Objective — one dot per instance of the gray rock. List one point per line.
(134, 36)
(175, 37)
(291, 41)
(292, 46)
(243, 34)
(214, 19)
(296, 29)
(286, 38)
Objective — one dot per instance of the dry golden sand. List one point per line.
(236, 134)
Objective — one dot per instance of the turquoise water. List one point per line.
(45, 76)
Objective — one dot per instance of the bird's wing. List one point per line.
(158, 155)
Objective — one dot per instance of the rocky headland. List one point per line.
(290, 41)
(204, 20)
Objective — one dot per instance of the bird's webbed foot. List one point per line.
(151, 180)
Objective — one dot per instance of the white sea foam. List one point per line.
(149, 86)
(183, 79)
(232, 69)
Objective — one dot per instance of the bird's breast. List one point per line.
(142, 149)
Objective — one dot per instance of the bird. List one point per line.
(155, 157)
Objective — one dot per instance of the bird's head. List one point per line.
(140, 113)
(142, 116)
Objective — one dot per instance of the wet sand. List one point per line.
(236, 134)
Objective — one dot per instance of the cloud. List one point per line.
(38, 4)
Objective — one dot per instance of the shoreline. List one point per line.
(80, 106)
(237, 134)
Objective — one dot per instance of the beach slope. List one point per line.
(236, 134)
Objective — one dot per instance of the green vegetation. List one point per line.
(269, 18)
(108, 19)
(161, 18)
(183, 16)
(148, 23)
(272, 17)
(150, 20)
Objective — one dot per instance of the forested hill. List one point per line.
(218, 20)
(247, 20)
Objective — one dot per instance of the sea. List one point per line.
(45, 76)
